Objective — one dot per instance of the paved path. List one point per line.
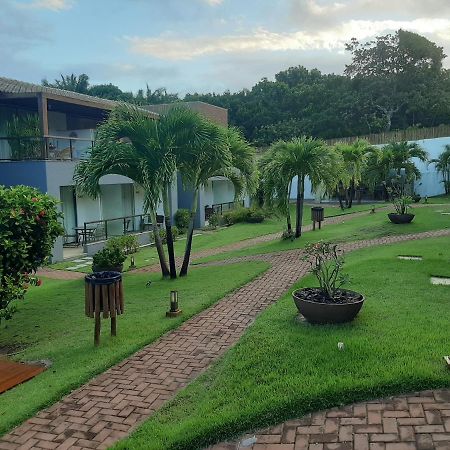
(108, 407)
(419, 421)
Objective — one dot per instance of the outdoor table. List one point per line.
(82, 233)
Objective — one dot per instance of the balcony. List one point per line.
(46, 148)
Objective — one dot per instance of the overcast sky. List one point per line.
(198, 45)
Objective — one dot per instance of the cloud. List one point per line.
(179, 48)
(213, 2)
(53, 5)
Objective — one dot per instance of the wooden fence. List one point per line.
(410, 134)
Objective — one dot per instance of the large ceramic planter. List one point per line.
(400, 218)
(322, 313)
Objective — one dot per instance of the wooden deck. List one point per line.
(13, 373)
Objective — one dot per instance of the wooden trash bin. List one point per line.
(104, 295)
(317, 215)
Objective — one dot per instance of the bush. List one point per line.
(108, 258)
(288, 235)
(29, 225)
(239, 215)
(128, 244)
(214, 220)
(175, 234)
(182, 218)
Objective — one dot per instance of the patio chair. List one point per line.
(159, 220)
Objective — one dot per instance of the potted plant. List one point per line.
(108, 259)
(401, 203)
(328, 303)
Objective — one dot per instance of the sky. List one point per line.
(198, 45)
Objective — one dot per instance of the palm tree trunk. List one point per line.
(340, 193)
(300, 201)
(190, 233)
(169, 237)
(288, 209)
(351, 193)
(158, 244)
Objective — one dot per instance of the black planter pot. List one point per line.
(322, 313)
(401, 218)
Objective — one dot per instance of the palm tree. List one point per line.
(122, 148)
(220, 152)
(70, 83)
(355, 158)
(442, 165)
(305, 157)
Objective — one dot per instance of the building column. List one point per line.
(43, 113)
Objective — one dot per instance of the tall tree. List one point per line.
(306, 157)
(70, 82)
(124, 146)
(217, 152)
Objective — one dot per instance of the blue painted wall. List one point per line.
(29, 173)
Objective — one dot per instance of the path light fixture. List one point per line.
(174, 310)
(132, 263)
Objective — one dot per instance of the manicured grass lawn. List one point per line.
(225, 236)
(438, 199)
(364, 227)
(283, 368)
(50, 324)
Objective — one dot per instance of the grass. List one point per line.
(438, 199)
(283, 368)
(365, 227)
(225, 236)
(50, 324)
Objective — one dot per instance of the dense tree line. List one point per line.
(394, 82)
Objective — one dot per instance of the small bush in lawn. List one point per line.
(288, 235)
(128, 244)
(29, 225)
(255, 215)
(182, 218)
(214, 220)
(239, 215)
(108, 258)
(175, 234)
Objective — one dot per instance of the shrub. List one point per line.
(182, 218)
(108, 258)
(29, 225)
(175, 234)
(128, 244)
(214, 220)
(288, 235)
(239, 215)
(326, 261)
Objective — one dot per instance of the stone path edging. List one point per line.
(112, 404)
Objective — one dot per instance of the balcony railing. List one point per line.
(54, 148)
(101, 230)
(220, 208)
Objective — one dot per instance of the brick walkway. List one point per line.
(108, 407)
(420, 421)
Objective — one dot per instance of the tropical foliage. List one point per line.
(442, 165)
(23, 136)
(29, 225)
(301, 157)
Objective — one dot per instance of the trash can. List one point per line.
(317, 215)
(104, 295)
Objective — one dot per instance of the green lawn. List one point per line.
(438, 199)
(283, 368)
(364, 227)
(50, 324)
(225, 236)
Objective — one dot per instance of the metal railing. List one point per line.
(101, 230)
(220, 208)
(54, 148)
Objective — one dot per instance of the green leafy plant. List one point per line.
(214, 220)
(239, 215)
(29, 225)
(400, 201)
(326, 261)
(175, 234)
(24, 137)
(182, 218)
(128, 244)
(108, 258)
(288, 235)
